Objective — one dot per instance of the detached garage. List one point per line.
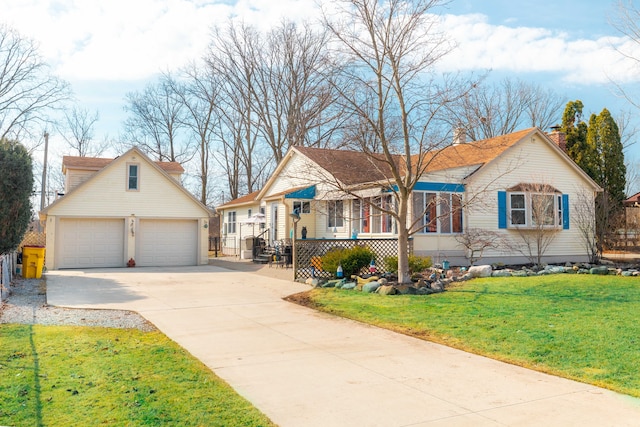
(128, 208)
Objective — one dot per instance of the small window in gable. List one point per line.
(133, 177)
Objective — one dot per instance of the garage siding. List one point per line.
(167, 243)
(90, 243)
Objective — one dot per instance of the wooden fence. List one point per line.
(7, 268)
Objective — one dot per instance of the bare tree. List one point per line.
(391, 48)
(477, 240)
(78, 129)
(584, 218)
(156, 120)
(28, 90)
(492, 110)
(279, 92)
(200, 95)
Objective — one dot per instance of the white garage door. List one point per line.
(89, 243)
(167, 243)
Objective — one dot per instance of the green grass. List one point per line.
(581, 327)
(78, 376)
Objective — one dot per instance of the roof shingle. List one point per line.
(97, 163)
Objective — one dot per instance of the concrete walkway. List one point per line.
(304, 368)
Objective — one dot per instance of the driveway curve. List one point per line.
(305, 368)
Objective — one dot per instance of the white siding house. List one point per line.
(488, 185)
(128, 208)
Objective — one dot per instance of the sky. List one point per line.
(107, 48)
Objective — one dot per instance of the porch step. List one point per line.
(262, 259)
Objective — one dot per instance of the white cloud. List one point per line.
(132, 39)
(529, 49)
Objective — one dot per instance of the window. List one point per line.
(528, 208)
(231, 222)
(300, 207)
(437, 212)
(335, 213)
(263, 225)
(534, 210)
(368, 216)
(132, 177)
(518, 209)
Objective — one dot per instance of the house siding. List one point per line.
(233, 243)
(523, 164)
(76, 177)
(107, 197)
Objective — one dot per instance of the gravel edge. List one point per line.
(27, 304)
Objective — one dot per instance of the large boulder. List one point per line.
(480, 271)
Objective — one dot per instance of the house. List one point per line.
(130, 207)
(492, 185)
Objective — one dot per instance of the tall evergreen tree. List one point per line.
(607, 162)
(575, 130)
(16, 183)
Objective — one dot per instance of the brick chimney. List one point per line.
(560, 138)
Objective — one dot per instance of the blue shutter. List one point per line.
(565, 211)
(502, 209)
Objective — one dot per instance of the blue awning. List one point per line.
(305, 193)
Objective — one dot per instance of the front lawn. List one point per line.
(64, 376)
(582, 327)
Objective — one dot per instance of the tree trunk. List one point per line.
(404, 276)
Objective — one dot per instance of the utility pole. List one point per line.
(44, 171)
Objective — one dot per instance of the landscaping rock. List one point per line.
(502, 273)
(447, 282)
(480, 271)
(555, 269)
(312, 281)
(425, 291)
(370, 287)
(602, 270)
(349, 285)
(387, 290)
(407, 289)
(437, 287)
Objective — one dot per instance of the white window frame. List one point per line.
(552, 218)
(231, 222)
(442, 207)
(335, 216)
(365, 214)
(136, 176)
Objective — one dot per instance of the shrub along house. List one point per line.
(512, 188)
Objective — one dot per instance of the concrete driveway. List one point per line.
(303, 368)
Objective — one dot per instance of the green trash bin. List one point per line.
(32, 262)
